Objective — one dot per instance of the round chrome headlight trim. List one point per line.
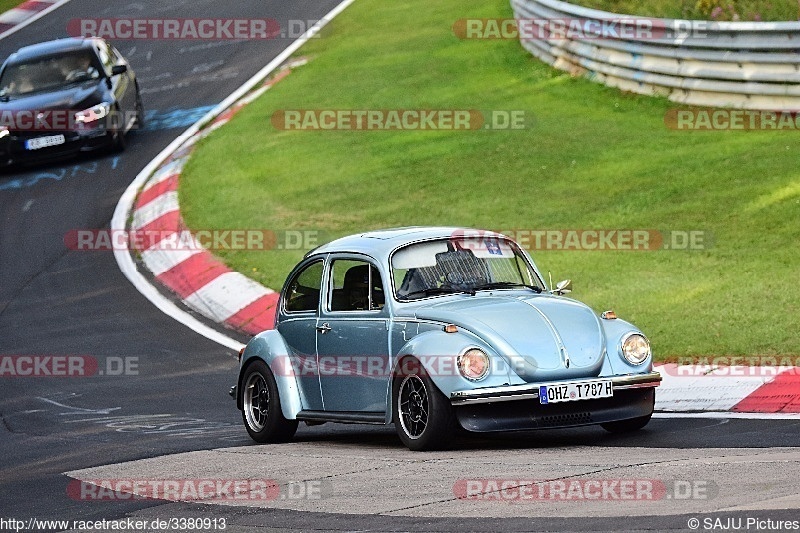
(473, 364)
(634, 347)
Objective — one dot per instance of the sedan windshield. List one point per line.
(48, 73)
(460, 265)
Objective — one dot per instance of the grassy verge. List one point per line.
(5, 5)
(593, 158)
(722, 10)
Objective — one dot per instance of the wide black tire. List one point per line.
(261, 406)
(423, 416)
(625, 426)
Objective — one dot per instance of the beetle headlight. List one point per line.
(635, 348)
(473, 364)
(93, 114)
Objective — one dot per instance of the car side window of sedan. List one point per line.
(303, 291)
(355, 286)
(106, 58)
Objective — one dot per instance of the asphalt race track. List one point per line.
(161, 389)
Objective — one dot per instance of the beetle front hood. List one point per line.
(542, 337)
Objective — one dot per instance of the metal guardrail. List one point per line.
(749, 65)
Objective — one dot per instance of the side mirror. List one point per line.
(119, 69)
(562, 287)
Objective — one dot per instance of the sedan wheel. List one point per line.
(261, 408)
(423, 417)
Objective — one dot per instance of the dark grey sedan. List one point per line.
(63, 97)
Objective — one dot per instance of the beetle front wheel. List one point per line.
(423, 417)
(261, 406)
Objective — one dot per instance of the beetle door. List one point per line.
(297, 325)
(353, 338)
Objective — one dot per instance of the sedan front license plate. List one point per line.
(44, 142)
(571, 392)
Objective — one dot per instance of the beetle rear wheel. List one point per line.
(261, 407)
(423, 416)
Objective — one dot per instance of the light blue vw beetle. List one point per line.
(430, 329)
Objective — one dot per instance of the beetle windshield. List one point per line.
(460, 265)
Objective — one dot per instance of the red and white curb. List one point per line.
(18, 17)
(180, 263)
(726, 388)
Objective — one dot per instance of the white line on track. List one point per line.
(33, 19)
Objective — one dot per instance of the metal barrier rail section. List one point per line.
(746, 65)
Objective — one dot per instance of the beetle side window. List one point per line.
(303, 291)
(356, 286)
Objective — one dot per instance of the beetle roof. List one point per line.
(380, 243)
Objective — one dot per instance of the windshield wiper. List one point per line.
(430, 291)
(507, 285)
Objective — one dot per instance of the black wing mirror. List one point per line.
(116, 70)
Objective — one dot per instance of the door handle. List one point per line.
(324, 328)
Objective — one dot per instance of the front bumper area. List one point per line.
(530, 391)
(530, 414)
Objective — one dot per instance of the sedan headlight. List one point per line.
(4, 132)
(473, 364)
(635, 348)
(93, 114)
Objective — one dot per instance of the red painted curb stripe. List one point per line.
(150, 194)
(34, 5)
(782, 395)
(188, 276)
(161, 228)
(257, 316)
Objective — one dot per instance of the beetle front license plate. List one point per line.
(570, 392)
(44, 142)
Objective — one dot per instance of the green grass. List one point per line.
(5, 5)
(593, 158)
(722, 10)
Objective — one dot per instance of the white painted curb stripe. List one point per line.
(155, 209)
(159, 261)
(119, 219)
(705, 393)
(226, 295)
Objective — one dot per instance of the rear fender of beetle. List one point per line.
(270, 347)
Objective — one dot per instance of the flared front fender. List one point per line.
(438, 353)
(270, 347)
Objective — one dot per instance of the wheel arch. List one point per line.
(270, 348)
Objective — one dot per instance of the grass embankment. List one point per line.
(720, 10)
(593, 158)
(5, 5)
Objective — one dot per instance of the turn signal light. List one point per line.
(609, 315)
(450, 328)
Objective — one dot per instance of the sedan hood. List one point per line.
(542, 337)
(75, 97)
